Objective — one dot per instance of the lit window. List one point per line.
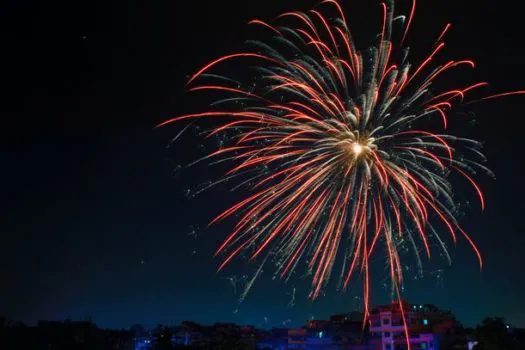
(425, 322)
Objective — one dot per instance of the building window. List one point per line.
(399, 335)
(387, 334)
(425, 322)
(424, 345)
(386, 321)
(388, 347)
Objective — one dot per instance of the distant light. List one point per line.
(321, 334)
(425, 322)
(472, 344)
(507, 325)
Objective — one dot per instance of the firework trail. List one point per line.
(291, 303)
(233, 282)
(335, 148)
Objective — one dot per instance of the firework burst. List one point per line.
(334, 145)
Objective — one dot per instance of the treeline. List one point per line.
(67, 335)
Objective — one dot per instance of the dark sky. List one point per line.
(88, 189)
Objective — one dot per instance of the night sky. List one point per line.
(94, 220)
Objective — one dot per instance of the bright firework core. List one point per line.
(357, 148)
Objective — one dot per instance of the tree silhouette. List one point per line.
(138, 330)
(492, 334)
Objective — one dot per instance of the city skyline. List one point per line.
(429, 327)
